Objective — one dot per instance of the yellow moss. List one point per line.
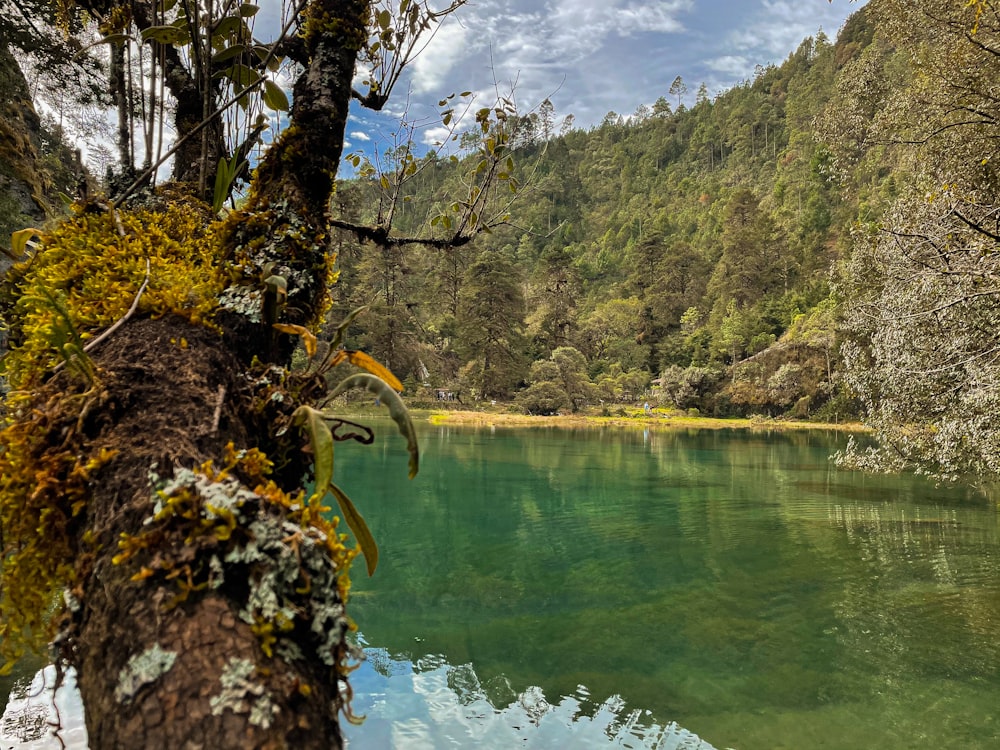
(41, 489)
(95, 274)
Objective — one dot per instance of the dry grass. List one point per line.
(660, 419)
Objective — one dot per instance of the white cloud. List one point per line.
(730, 65)
(590, 56)
(781, 25)
(435, 136)
(433, 64)
(361, 135)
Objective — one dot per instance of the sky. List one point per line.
(591, 57)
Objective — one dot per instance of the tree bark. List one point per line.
(193, 623)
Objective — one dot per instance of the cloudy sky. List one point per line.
(591, 57)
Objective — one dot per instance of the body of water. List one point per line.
(654, 589)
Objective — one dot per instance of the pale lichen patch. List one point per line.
(143, 669)
(241, 695)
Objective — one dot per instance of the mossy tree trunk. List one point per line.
(204, 607)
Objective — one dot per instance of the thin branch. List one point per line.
(976, 227)
(90, 345)
(380, 236)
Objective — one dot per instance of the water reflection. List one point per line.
(38, 716)
(431, 704)
(425, 705)
(737, 583)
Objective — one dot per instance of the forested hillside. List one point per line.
(687, 250)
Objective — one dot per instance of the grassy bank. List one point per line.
(499, 416)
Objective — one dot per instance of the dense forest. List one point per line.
(688, 254)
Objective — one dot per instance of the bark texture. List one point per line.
(175, 639)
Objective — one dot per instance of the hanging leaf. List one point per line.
(19, 240)
(308, 337)
(397, 410)
(249, 9)
(338, 337)
(366, 362)
(228, 53)
(321, 441)
(274, 97)
(227, 26)
(114, 39)
(356, 522)
(263, 52)
(241, 75)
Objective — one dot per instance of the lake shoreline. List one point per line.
(630, 417)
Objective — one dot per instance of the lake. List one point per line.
(668, 589)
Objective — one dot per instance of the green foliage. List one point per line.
(629, 225)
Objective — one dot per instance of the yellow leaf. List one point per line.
(365, 362)
(142, 574)
(308, 338)
(19, 240)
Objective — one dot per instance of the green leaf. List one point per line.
(321, 441)
(115, 39)
(264, 53)
(227, 26)
(397, 410)
(164, 35)
(249, 9)
(241, 75)
(338, 336)
(224, 177)
(228, 53)
(356, 523)
(274, 97)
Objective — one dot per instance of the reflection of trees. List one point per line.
(450, 705)
(696, 574)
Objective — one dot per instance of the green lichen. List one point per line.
(142, 669)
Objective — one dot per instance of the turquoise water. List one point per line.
(738, 585)
(712, 589)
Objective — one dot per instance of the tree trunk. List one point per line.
(204, 603)
(159, 402)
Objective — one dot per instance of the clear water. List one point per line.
(738, 585)
(667, 590)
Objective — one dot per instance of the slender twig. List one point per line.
(90, 345)
(217, 416)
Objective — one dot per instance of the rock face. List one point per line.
(21, 199)
(34, 165)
